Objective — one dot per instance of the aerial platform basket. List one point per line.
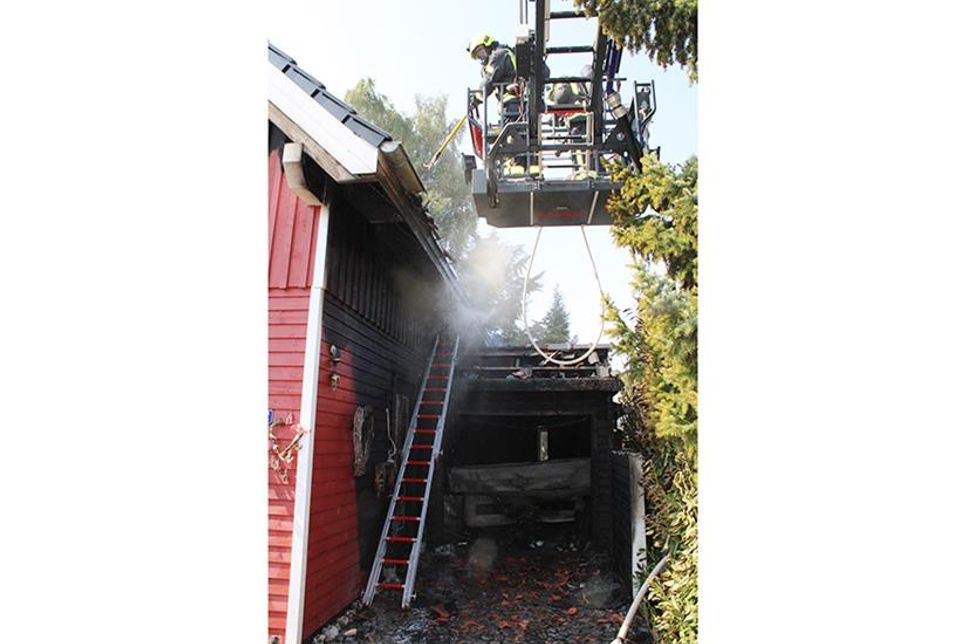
(543, 202)
(546, 158)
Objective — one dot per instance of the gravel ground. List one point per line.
(501, 585)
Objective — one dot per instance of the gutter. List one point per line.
(402, 167)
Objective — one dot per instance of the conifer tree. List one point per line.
(667, 30)
(555, 325)
(655, 216)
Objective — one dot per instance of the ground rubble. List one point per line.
(541, 584)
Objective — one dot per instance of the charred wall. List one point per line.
(381, 312)
(379, 306)
(516, 439)
(499, 420)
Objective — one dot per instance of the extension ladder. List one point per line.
(402, 532)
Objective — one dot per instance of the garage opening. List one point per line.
(522, 471)
(522, 508)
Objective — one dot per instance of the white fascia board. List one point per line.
(352, 153)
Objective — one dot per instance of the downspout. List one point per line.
(310, 387)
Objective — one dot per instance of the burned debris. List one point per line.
(500, 586)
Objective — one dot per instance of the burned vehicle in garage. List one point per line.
(530, 442)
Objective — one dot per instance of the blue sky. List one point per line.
(420, 48)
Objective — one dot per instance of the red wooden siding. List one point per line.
(333, 577)
(376, 337)
(286, 357)
(292, 229)
(292, 232)
(372, 368)
(381, 325)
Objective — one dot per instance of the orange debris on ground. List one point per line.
(513, 592)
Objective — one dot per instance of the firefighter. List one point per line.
(498, 66)
(577, 124)
(575, 97)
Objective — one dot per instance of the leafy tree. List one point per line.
(447, 196)
(492, 276)
(491, 272)
(655, 215)
(555, 325)
(666, 29)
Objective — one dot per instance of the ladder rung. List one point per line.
(442, 363)
(569, 79)
(579, 49)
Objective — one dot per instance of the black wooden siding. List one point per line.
(362, 272)
(601, 484)
(370, 315)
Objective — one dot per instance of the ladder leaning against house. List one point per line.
(402, 532)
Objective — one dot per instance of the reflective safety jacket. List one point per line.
(570, 94)
(499, 69)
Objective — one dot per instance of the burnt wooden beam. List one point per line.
(566, 474)
(609, 385)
